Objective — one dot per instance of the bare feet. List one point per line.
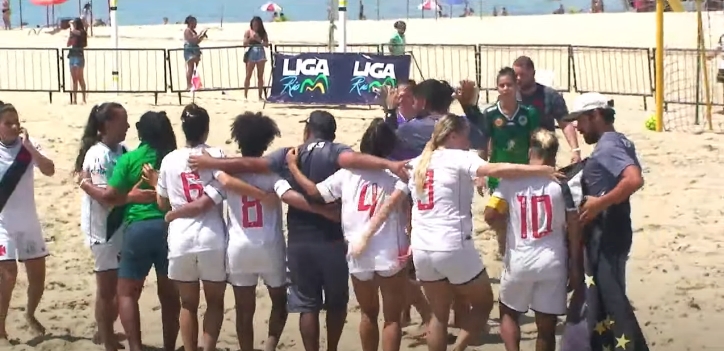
(34, 325)
(119, 336)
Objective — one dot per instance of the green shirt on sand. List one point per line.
(397, 44)
(126, 174)
(510, 136)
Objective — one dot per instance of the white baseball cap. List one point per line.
(587, 102)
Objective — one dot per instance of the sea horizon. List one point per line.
(144, 12)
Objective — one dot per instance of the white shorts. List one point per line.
(367, 276)
(248, 265)
(545, 296)
(22, 246)
(192, 267)
(107, 255)
(457, 267)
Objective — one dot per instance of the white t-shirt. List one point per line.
(362, 193)
(19, 214)
(536, 235)
(253, 227)
(180, 185)
(98, 162)
(442, 217)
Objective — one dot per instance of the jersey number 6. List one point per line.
(193, 189)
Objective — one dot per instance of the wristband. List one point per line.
(578, 149)
(82, 181)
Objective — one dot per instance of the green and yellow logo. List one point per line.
(316, 71)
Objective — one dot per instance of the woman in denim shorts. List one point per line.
(256, 39)
(77, 40)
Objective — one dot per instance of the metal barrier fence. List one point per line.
(609, 70)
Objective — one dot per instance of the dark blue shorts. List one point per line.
(316, 269)
(144, 246)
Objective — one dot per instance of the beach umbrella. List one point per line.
(271, 7)
(429, 5)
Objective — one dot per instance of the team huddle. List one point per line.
(370, 215)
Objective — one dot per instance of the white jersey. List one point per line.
(255, 228)
(99, 162)
(442, 217)
(180, 185)
(536, 235)
(362, 193)
(19, 214)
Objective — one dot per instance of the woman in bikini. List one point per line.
(6, 14)
(256, 39)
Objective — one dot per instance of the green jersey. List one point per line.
(126, 174)
(397, 44)
(510, 136)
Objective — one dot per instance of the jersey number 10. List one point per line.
(537, 209)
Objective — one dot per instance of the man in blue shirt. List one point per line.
(316, 250)
(610, 176)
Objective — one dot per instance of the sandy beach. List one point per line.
(675, 269)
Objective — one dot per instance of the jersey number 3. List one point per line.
(193, 189)
(252, 215)
(538, 210)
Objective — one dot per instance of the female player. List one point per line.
(144, 239)
(443, 251)
(256, 247)
(374, 260)
(101, 222)
(509, 125)
(21, 237)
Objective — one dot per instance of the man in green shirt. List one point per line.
(397, 43)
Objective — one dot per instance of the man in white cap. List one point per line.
(611, 175)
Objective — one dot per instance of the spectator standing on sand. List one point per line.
(192, 51)
(87, 15)
(256, 38)
(397, 43)
(6, 14)
(77, 41)
(550, 104)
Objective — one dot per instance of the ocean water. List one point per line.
(139, 12)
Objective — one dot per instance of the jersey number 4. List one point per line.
(538, 210)
(368, 199)
(193, 189)
(252, 215)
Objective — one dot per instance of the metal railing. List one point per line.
(608, 70)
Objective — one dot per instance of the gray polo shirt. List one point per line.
(602, 172)
(317, 160)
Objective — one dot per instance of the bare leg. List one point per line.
(35, 269)
(74, 92)
(106, 308)
(129, 291)
(247, 80)
(260, 78)
(8, 276)
(546, 340)
(277, 317)
(369, 304)
(440, 296)
(479, 294)
(81, 82)
(309, 328)
(245, 298)
(189, 319)
(509, 328)
(189, 73)
(392, 302)
(168, 296)
(214, 316)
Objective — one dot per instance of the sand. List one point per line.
(674, 272)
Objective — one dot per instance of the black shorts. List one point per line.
(319, 277)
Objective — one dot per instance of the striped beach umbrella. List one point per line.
(271, 7)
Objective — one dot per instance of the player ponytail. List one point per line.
(155, 130)
(94, 130)
(195, 124)
(445, 126)
(378, 140)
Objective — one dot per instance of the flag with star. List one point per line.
(600, 316)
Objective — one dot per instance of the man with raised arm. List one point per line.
(316, 254)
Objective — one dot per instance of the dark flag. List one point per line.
(600, 316)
